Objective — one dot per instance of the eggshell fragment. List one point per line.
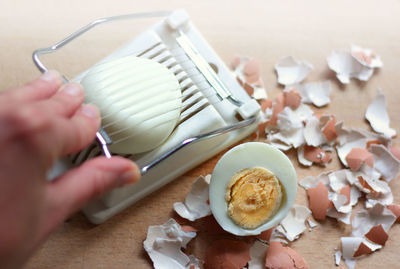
(251, 71)
(247, 73)
(227, 254)
(279, 256)
(377, 235)
(294, 223)
(384, 162)
(346, 67)
(329, 129)
(312, 132)
(317, 93)
(291, 71)
(365, 220)
(346, 192)
(318, 201)
(163, 244)
(195, 205)
(316, 155)
(366, 57)
(257, 255)
(358, 156)
(362, 250)
(292, 98)
(378, 117)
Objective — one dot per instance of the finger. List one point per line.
(74, 134)
(71, 191)
(66, 101)
(41, 88)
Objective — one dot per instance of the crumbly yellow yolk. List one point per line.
(253, 195)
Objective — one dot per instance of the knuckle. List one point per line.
(99, 186)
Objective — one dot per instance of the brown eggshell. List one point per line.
(292, 98)
(346, 191)
(360, 55)
(267, 103)
(316, 155)
(277, 107)
(365, 183)
(252, 67)
(395, 210)
(395, 150)
(373, 142)
(357, 156)
(362, 250)
(329, 129)
(248, 88)
(227, 254)
(266, 235)
(318, 200)
(279, 257)
(377, 235)
(261, 128)
(211, 226)
(188, 228)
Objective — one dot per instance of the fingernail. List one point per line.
(72, 89)
(50, 75)
(91, 111)
(129, 177)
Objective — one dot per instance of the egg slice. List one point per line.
(252, 188)
(139, 100)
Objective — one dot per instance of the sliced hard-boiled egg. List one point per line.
(139, 100)
(252, 188)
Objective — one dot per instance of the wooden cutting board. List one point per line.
(308, 30)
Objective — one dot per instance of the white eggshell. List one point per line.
(248, 155)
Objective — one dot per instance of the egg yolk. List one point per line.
(253, 195)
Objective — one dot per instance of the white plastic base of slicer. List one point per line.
(210, 113)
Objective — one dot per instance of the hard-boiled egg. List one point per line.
(252, 188)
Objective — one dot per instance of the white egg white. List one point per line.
(249, 155)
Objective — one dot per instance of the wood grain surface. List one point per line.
(266, 30)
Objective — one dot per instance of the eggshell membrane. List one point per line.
(247, 155)
(292, 98)
(357, 156)
(227, 254)
(279, 256)
(318, 201)
(395, 210)
(362, 250)
(377, 235)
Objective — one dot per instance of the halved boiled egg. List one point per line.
(252, 188)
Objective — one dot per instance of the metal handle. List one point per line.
(101, 136)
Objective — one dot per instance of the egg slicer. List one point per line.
(216, 111)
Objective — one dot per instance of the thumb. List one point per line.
(72, 190)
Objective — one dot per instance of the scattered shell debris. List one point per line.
(288, 122)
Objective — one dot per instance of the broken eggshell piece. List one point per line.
(249, 155)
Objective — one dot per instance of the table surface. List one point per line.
(308, 30)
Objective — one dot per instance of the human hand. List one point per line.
(39, 123)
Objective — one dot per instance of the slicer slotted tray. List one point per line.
(203, 110)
